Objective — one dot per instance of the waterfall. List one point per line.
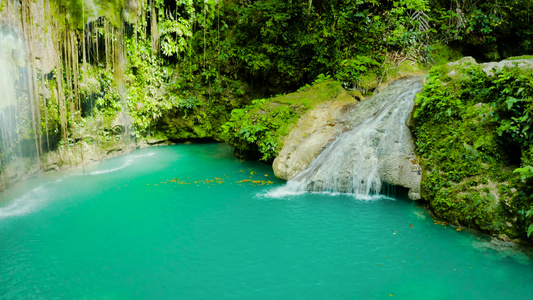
(15, 118)
(11, 60)
(361, 158)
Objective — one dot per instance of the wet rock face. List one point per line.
(355, 148)
(314, 131)
(40, 41)
(403, 171)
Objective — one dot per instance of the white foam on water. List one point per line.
(280, 192)
(25, 204)
(126, 163)
(286, 191)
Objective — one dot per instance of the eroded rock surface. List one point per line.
(314, 131)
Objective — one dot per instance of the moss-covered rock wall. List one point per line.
(473, 129)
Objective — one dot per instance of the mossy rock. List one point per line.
(263, 125)
(466, 150)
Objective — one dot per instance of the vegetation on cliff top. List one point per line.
(189, 63)
(258, 130)
(474, 137)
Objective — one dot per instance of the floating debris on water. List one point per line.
(221, 180)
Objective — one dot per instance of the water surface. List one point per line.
(192, 222)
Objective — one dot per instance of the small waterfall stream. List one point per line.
(358, 159)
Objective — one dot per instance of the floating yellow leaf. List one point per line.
(244, 180)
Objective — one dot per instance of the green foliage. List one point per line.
(262, 126)
(470, 129)
(526, 172)
(515, 106)
(352, 70)
(288, 44)
(487, 29)
(173, 35)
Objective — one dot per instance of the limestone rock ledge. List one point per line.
(313, 132)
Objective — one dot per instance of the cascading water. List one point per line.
(14, 107)
(11, 59)
(359, 159)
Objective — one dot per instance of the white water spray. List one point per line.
(29, 202)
